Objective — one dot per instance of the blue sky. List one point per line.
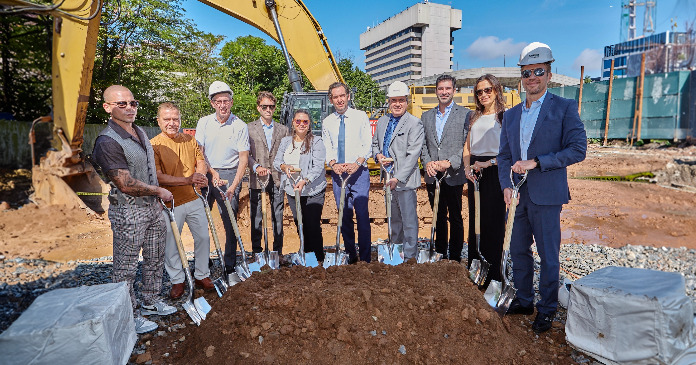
(576, 30)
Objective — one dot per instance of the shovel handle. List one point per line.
(510, 221)
(477, 212)
(179, 245)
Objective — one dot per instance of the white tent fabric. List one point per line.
(85, 325)
(632, 316)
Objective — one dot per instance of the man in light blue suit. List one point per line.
(543, 135)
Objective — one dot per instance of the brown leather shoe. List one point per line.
(205, 283)
(177, 291)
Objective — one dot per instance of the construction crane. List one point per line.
(76, 27)
(628, 18)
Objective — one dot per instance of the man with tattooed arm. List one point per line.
(124, 153)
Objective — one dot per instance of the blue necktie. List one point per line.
(342, 140)
(388, 134)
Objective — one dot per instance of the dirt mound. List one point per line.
(364, 313)
(678, 173)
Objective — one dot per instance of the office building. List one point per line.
(414, 43)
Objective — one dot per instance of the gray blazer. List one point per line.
(405, 148)
(450, 147)
(259, 151)
(311, 164)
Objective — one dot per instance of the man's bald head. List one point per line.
(114, 91)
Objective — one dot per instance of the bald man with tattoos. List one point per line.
(125, 154)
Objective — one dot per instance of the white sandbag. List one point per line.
(85, 325)
(631, 316)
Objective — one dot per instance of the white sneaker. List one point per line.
(142, 325)
(159, 308)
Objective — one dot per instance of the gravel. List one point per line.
(22, 279)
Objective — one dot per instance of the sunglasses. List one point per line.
(123, 104)
(487, 90)
(264, 107)
(538, 72)
(302, 121)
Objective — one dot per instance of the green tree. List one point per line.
(25, 52)
(151, 48)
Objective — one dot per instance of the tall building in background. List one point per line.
(412, 44)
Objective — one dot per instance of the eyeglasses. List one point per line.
(302, 121)
(124, 104)
(264, 107)
(222, 102)
(538, 72)
(487, 90)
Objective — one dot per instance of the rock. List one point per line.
(255, 331)
(402, 349)
(143, 358)
(4, 206)
(266, 325)
(210, 351)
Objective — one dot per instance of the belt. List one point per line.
(224, 169)
(140, 201)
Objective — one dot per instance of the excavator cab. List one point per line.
(316, 102)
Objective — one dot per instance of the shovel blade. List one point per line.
(233, 279)
(505, 300)
(310, 259)
(273, 260)
(220, 286)
(423, 256)
(393, 255)
(478, 271)
(242, 272)
(332, 258)
(254, 267)
(193, 313)
(260, 259)
(493, 292)
(202, 306)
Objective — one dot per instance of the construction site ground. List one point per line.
(367, 312)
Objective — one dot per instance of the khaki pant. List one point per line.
(193, 214)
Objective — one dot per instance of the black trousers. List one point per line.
(492, 213)
(450, 209)
(274, 217)
(311, 206)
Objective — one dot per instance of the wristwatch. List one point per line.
(493, 161)
(538, 166)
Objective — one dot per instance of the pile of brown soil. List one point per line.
(364, 313)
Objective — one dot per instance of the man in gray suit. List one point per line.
(399, 136)
(445, 134)
(264, 139)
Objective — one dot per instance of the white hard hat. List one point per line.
(219, 87)
(397, 88)
(535, 52)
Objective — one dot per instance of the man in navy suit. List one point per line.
(543, 135)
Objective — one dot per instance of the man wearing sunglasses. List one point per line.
(542, 136)
(264, 140)
(224, 140)
(399, 135)
(124, 153)
(445, 134)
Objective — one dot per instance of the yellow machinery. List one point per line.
(423, 98)
(75, 33)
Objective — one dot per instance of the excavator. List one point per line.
(63, 174)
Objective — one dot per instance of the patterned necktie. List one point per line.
(342, 140)
(388, 134)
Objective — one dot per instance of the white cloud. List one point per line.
(491, 47)
(590, 58)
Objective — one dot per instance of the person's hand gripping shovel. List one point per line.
(221, 284)
(197, 309)
(243, 269)
(389, 253)
(430, 255)
(266, 257)
(479, 268)
(301, 257)
(500, 298)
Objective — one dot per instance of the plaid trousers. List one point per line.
(135, 228)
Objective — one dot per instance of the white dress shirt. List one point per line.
(222, 142)
(358, 135)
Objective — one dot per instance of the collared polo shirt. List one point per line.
(358, 135)
(441, 119)
(527, 124)
(177, 157)
(222, 142)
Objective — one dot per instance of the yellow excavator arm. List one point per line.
(304, 38)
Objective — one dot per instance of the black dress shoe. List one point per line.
(517, 308)
(542, 322)
(353, 260)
